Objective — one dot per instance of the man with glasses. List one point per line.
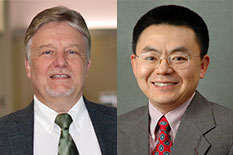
(170, 45)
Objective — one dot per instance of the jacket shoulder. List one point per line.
(219, 109)
(100, 108)
(223, 117)
(132, 117)
(221, 137)
(16, 131)
(20, 115)
(132, 132)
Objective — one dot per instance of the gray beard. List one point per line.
(54, 93)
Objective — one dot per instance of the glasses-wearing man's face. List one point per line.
(58, 65)
(167, 64)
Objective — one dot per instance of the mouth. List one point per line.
(164, 84)
(60, 76)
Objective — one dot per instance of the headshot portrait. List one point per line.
(59, 118)
(167, 52)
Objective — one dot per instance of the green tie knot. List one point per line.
(66, 144)
(63, 120)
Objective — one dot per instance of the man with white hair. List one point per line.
(59, 120)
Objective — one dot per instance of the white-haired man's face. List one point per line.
(58, 66)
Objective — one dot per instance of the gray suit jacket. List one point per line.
(16, 130)
(206, 129)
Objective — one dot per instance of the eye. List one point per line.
(72, 52)
(179, 58)
(149, 57)
(49, 52)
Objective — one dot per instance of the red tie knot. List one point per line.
(163, 124)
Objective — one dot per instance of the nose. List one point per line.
(163, 67)
(60, 60)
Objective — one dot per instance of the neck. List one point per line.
(165, 108)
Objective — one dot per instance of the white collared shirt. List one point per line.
(47, 132)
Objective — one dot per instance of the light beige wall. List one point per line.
(6, 87)
(21, 84)
(102, 75)
(6, 68)
(2, 15)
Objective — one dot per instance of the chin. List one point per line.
(164, 102)
(164, 99)
(60, 92)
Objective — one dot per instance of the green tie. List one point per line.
(66, 143)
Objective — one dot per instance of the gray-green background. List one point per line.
(217, 86)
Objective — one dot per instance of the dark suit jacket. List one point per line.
(205, 129)
(16, 130)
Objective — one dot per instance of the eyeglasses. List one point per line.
(178, 61)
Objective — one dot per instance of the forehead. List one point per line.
(57, 31)
(167, 37)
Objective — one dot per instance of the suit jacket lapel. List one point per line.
(197, 120)
(104, 127)
(21, 133)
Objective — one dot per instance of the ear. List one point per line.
(204, 66)
(28, 68)
(88, 67)
(133, 63)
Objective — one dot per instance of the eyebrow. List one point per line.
(180, 49)
(46, 45)
(177, 49)
(51, 46)
(73, 45)
(150, 49)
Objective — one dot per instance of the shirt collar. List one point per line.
(46, 116)
(173, 117)
(77, 112)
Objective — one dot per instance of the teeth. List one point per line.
(60, 76)
(163, 84)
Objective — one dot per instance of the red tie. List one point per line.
(164, 144)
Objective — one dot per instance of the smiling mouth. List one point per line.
(60, 76)
(164, 84)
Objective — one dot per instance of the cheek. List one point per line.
(39, 69)
(79, 70)
(190, 78)
(142, 72)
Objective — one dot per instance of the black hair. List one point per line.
(173, 15)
